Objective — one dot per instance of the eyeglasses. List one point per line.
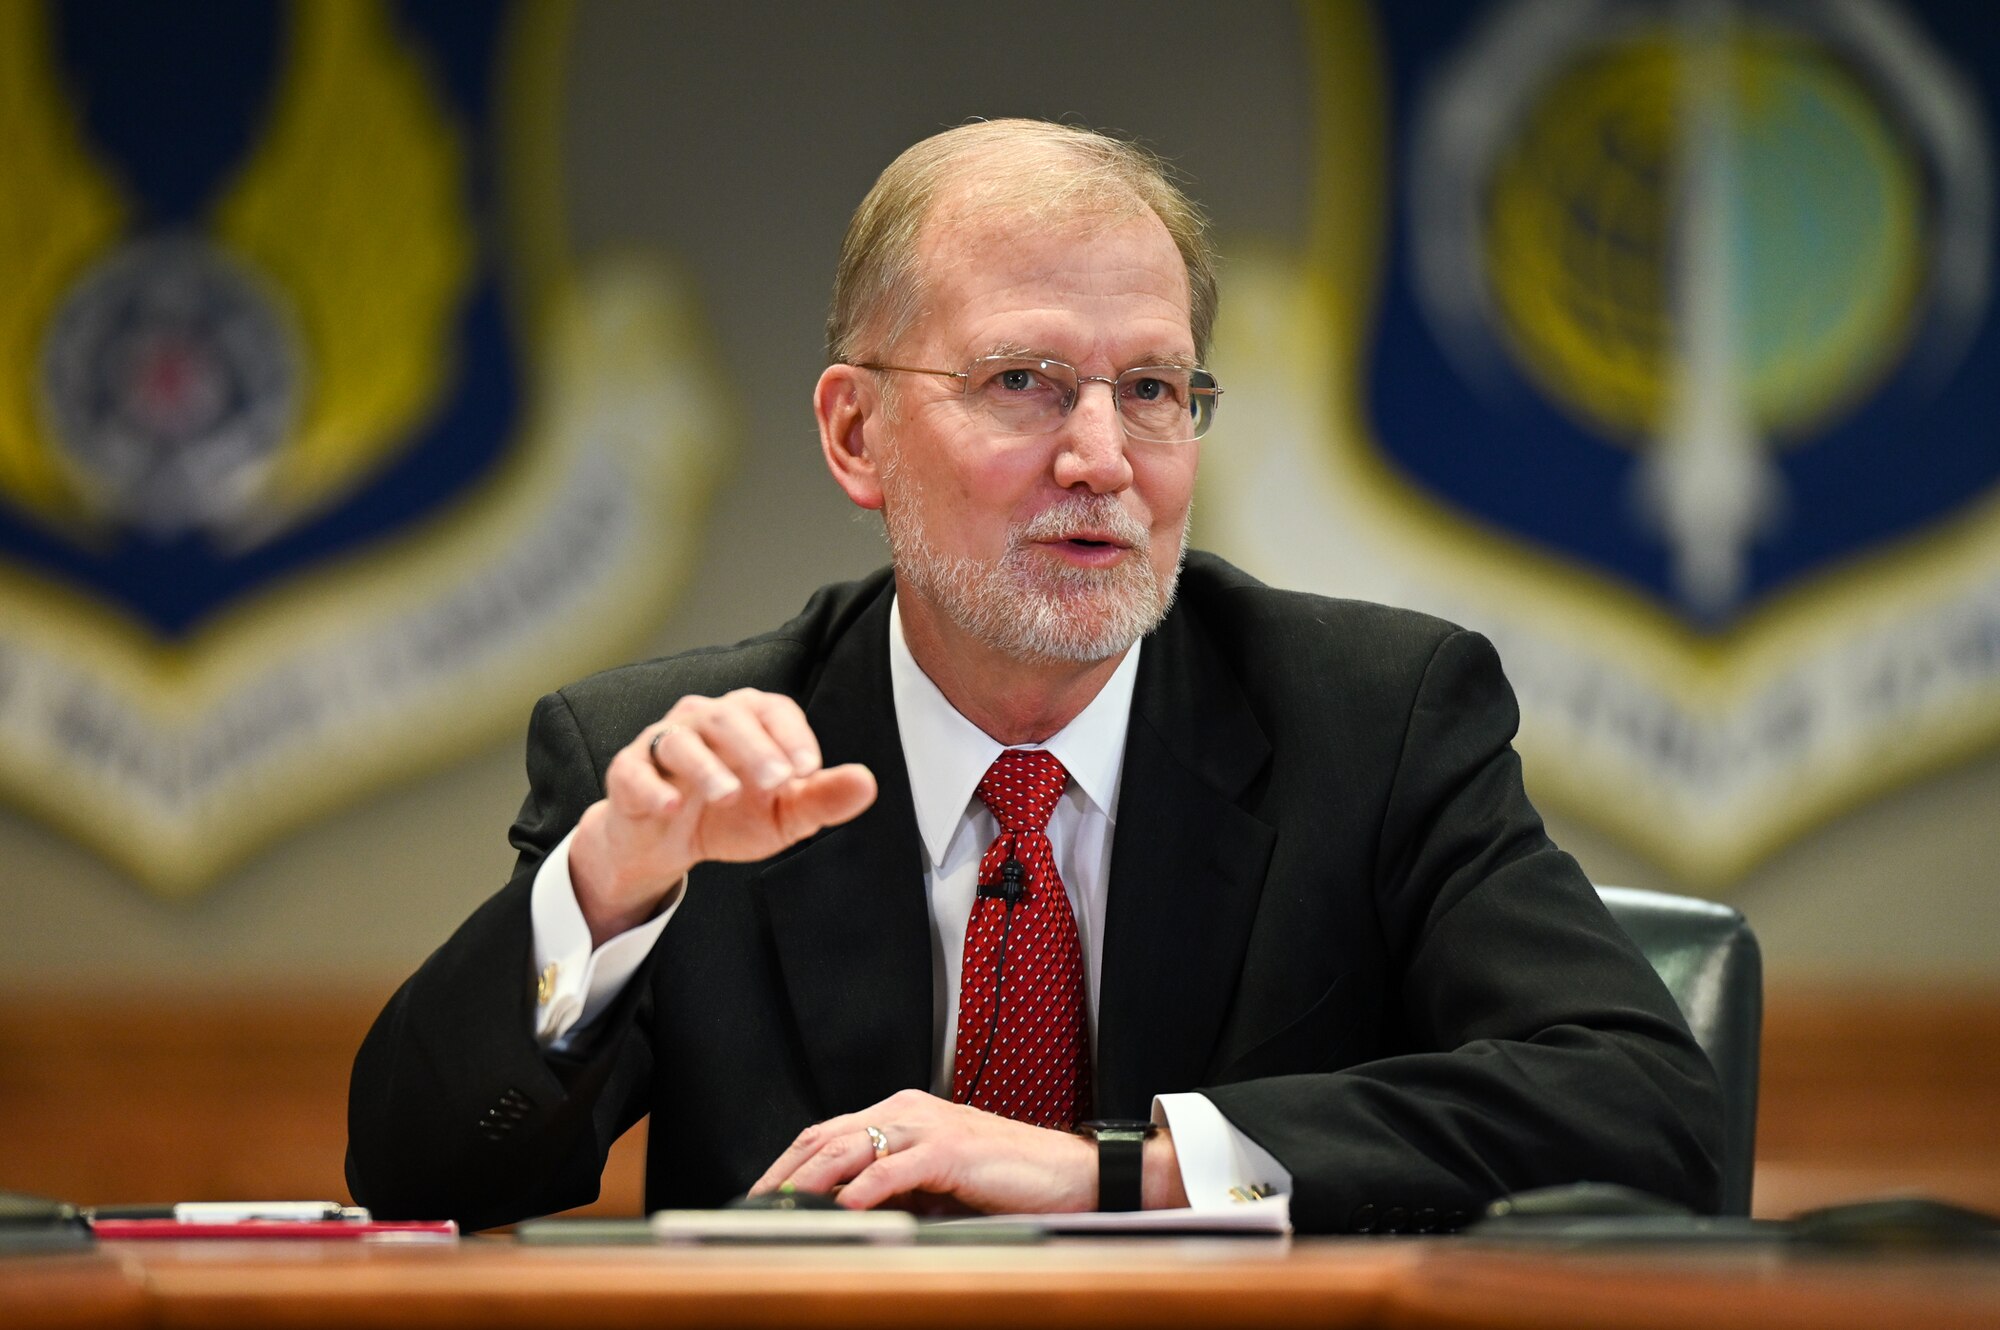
(1028, 395)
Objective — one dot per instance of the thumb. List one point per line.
(827, 797)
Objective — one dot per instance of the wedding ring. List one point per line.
(879, 1141)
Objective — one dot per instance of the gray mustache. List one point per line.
(1095, 513)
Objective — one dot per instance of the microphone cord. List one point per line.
(1011, 891)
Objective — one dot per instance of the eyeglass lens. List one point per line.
(1159, 403)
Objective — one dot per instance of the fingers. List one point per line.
(712, 752)
(705, 749)
(716, 746)
(737, 777)
(829, 1153)
(637, 788)
(840, 1158)
(825, 1155)
(787, 727)
(684, 755)
(920, 1169)
(939, 1154)
(739, 738)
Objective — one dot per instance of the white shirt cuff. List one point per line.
(1214, 1156)
(574, 983)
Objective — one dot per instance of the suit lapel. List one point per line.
(1187, 871)
(847, 909)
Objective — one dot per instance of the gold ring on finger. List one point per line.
(879, 1141)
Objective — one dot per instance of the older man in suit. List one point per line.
(1054, 868)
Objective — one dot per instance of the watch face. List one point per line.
(1116, 1126)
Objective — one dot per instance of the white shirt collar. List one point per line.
(947, 754)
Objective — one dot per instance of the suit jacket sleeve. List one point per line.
(1543, 1047)
(454, 1110)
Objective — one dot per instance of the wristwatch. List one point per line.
(1121, 1147)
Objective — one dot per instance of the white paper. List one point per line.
(783, 1225)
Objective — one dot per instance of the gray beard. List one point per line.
(1026, 605)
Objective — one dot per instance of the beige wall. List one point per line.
(736, 147)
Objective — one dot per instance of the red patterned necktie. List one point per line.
(1030, 1060)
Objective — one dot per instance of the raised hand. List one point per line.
(736, 778)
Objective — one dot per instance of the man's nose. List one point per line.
(1092, 442)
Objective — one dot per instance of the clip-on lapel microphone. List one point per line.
(1011, 887)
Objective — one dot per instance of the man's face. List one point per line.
(1056, 547)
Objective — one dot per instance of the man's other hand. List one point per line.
(944, 1156)
(734, 778)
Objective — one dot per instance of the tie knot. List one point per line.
(1022, 786)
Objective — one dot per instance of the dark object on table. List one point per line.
(1579, 1199)
(1900, 1223)
(785, 1198)
(1598, 1213)
(38, 1224)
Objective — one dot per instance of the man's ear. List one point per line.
(849, 409)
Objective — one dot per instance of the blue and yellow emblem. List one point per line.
(1662, 349)
(317, 454)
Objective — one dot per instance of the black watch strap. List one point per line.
(1121, 1153)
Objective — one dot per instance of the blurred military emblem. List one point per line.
(171, 383)
(319, 452)
(1662, 351)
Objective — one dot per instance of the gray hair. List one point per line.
(1035, 169)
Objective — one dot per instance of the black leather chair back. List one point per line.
(1708, 957)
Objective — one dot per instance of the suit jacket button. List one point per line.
(1394, 1218)
(1425, 1221)
(1363, 1218)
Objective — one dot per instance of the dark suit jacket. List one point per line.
(1332, 909)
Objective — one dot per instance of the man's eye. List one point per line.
(1017, 380)
(1151, 390)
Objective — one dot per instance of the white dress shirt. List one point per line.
(946, 755)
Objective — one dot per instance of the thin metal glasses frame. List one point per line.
(964, 376)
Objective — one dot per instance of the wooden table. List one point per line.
(1157, 1284)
